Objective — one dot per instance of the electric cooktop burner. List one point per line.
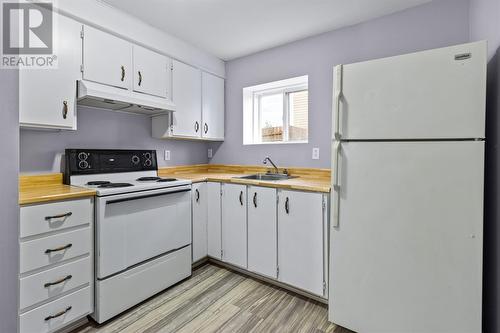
(111, 185)
(146, 179)
(98, 182)
(162, 180)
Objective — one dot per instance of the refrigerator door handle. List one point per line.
(336, 183)
(337, 93)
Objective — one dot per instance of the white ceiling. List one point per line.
(233, 28)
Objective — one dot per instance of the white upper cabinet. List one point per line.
(200, 214)
(212, 107)
(234, 224)
(107, 59)
(301, 223)
(151, 72)
(47, 97)
(262, 231)
(186, 95)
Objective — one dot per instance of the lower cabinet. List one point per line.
(301, 244)
(234, 224)
(276, 233)
(262, 231)
(200, 216)
(214, 216)
(56, 277)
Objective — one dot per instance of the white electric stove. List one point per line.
(143, 225)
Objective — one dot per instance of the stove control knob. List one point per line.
(82, 156)
(83, 164)
(147, 163)
(135, 159)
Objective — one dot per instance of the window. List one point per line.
(276, 112)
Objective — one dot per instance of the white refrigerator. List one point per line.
(406, 233)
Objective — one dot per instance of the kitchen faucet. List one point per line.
(268, 159)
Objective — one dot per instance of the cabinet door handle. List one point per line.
(123, 73)
(65, 109)
(206, 128)
(62, 248)
(140, 78)
(196, 127)
(66, 278)
(59, 314)
(241, 198)
(60, 216)
(287, 205)
(255, 199)
(197, 195)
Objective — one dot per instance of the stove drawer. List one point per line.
(39, 219)
(56, 314)
(54, 249)
(54, 282)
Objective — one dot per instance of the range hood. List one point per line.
(106, 97)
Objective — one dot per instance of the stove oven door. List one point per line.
(135, 227)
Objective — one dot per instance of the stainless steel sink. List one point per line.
(268, 176)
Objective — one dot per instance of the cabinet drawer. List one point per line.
(53, 282)
(39, 219)
(37, 253)
(56, 314)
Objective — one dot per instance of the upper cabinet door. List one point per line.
(436, 94)
(213, 107)
(186, 81)
(107, 59)
(150, 72)
(47, 98)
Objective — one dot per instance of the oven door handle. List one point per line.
(146, 196)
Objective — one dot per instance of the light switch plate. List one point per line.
(315, 154)
(167, 155)
(210, 153)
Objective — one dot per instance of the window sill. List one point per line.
(276, 143)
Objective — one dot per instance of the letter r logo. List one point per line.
(27, 28)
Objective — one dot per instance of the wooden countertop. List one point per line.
(314, 180)
(48, 187)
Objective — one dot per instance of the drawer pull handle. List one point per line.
(123, 73)
(197, 195)
(196, 126)
(206, 128)
(66, 278)
(62, 248)
(65, 109)
(255, 199)
(140, 78)
(59, 314)
(48, 218)
(241, 198)
(287, 205)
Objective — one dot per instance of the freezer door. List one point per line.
(406, 254)
(433, 94)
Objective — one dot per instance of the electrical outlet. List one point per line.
(167, 155)
(315, 154)
(210, 153)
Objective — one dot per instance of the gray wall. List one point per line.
(41, 151)
(9, 209)
(439, 23)
(485, 24)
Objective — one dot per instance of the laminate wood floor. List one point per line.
(215, 299)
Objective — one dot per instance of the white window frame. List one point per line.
(252, 112)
